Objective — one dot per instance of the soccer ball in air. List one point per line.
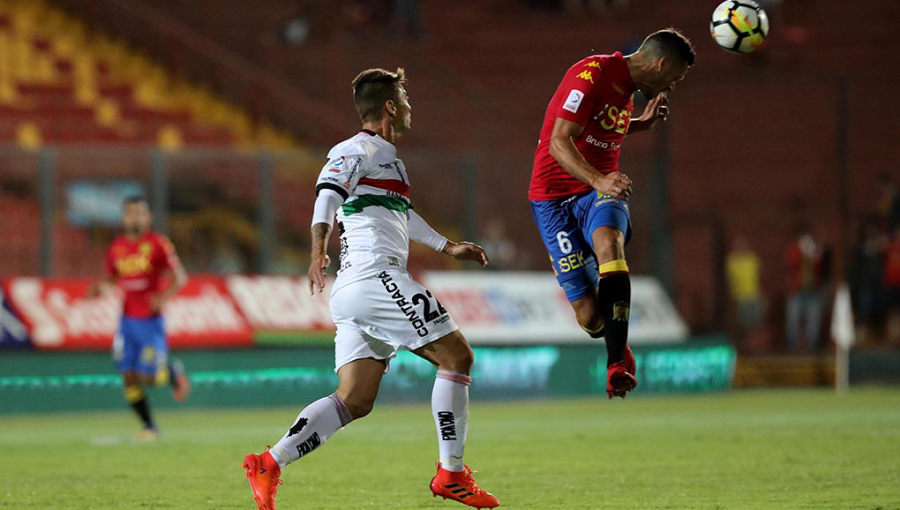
(739, 26)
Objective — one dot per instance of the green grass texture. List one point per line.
(741, 450)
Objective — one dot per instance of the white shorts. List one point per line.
(385, 312)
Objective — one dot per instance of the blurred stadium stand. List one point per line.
(756, 145)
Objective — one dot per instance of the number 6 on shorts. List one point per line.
(565, 245)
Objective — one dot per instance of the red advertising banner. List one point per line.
(281, 303)
(59, 316)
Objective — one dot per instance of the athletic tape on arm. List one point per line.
(326, 207)
(421, 232)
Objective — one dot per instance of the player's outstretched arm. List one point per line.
(319, 260)
(564, 151)
(421, 232)
(656, 109)
(465, 250)
(101, 287)
(177, 278)
(323, 218)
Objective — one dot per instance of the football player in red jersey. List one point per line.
(145, 267)
(578, 196)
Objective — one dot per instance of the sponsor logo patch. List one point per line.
(313, 442)
(297, 427)
(447, 425)
(405, 306)
(573, 101)
(621, 311)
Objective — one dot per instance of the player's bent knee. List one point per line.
(464, 360)
(130, 378)
(587, 314)
(359, 407)
(589, 320)
(609, 244)
(461, 357)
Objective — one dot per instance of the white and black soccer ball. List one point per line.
(739, 26)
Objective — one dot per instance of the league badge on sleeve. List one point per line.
(573, 101)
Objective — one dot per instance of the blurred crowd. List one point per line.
(872, 272)
(875, 275)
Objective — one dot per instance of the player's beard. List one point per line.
(135, 230)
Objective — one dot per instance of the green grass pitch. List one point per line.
(743, 450)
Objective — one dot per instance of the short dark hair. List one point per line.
(671, 42)
(374, 87)
(135, 199)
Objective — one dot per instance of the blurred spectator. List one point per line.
(579, 8)
(364, 17)
(295, 30)
(597, 8)
(807, 271)
(500, 248)
(407, 19)
(892, 286)
(888, 203)
(227, 258)
(868, 281)
(774, 11)
(742, 266)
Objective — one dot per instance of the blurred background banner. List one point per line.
(281, 303)
(510, 308)
(57, 315)
(531, 308)
(13, 333)
(285, 375)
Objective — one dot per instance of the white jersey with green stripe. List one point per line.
(372, 221)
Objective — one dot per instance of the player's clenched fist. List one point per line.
(466, 251)
(614, 184)
(316, 273)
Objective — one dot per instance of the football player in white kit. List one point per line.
(376, 304)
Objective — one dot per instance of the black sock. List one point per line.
(142, 408)
(614, 294)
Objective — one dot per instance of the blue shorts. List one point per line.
(594, 210)
(567, 225)
(140, 346)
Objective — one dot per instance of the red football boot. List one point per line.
(263, 473)
(461, 487)
(630, 365)
(181, 389)
(618, 380)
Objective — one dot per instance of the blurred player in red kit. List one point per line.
(143, 264)
(578, 196)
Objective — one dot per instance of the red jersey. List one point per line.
(138, 266)
(892, 264)
(595, 93)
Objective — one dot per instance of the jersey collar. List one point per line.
(627, 85)
(377, 137)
